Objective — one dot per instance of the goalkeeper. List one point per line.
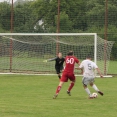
(59, 60)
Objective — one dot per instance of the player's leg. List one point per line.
(85, 82)
(62, 80)
(70, 87)
(58, 71)
(59, 75)
(58, 89)
(72, 78)
(96, 88)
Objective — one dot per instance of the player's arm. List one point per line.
(78, 62)
(80, 67)
(99, 72)
(53, 59)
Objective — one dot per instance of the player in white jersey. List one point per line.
(88, 68)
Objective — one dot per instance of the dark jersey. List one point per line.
(59, 61)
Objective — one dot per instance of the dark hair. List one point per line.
(89, 56)
(70, 53)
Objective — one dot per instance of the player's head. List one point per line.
(59, 54)
(70, 53)
(89, 56)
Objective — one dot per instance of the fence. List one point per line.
(47, 16)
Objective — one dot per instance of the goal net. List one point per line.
(25, 52)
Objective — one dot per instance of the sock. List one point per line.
(95, 87)
(58, 89)
(88, 91)
(71, 86)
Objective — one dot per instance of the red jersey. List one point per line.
(70, 63)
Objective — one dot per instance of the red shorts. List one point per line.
(66, 76)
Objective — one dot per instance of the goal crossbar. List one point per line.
(50, 34)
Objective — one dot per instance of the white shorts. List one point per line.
(86, 80)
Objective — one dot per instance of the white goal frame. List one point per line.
(60, 34)
(57, 34)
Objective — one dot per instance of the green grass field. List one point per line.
(31, 96)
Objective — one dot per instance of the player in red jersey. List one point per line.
(68, 73)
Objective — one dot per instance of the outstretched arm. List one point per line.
(50, 59)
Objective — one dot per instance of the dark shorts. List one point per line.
(58, 69)
(66, 76)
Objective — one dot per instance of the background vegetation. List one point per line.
(79, 16)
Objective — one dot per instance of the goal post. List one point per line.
(95, 48)
(30, 49)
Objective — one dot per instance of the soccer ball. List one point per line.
(94, 95)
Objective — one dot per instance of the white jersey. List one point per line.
(88, 68)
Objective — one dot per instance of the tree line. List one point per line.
(76, 16)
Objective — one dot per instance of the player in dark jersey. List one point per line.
(59, 61)
(68, 73)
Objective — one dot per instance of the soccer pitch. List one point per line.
(31, 96)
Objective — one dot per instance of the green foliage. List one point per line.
(111, 36)
(69, 14)
(5, 16)
(75, 16)
(65, 23)
(23, 18)
(1, 29)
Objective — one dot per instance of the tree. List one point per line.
(71, 14)
(95, 13)
(65, 22)
(5, 16)
(23, 18)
